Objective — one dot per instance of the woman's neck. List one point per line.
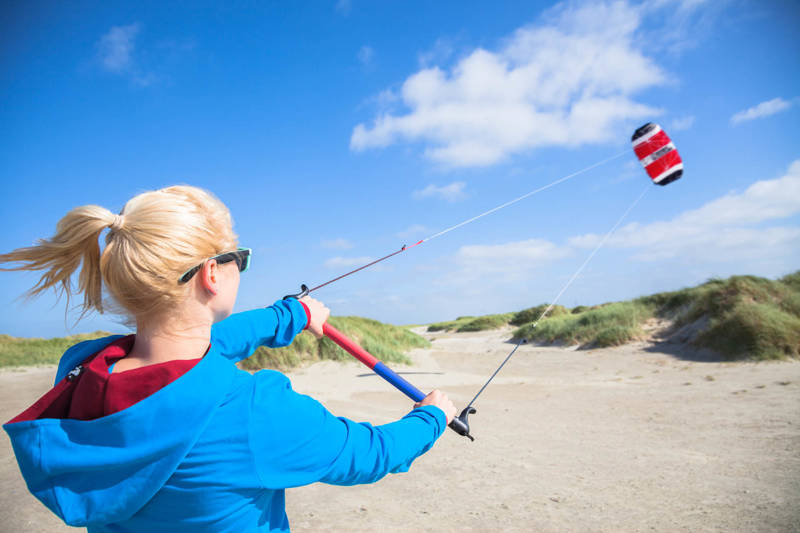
(158, 342)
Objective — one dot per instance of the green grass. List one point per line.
(532, 314)
(451, 325)
(483, 323)
(745, 317)
(740, 318)
(386, 342)
(15, 351)
(464, 324)
(609, 325)
(748, 317)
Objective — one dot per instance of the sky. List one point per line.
(337, 132)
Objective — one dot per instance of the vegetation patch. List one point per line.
(609, 325)
(747, 317)
(450, 325)
(742, 317)
(386, 342)
(485, 322)
(17, 351)
(532, 314)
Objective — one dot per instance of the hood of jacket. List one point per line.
(104, 470)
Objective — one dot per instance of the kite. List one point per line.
(657, 154)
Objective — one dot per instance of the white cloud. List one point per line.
(682, 123)
(678, 25)
(451, 193)
(116, 47)
(337, 244)
(503, 263)
(566, 81)
(441, 51)
(365, 55)
(484, 272)
(530, 251)
(116, 53)
(721, 230)
(346, 262)
(764, 109)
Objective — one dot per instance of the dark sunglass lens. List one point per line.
(243, 259)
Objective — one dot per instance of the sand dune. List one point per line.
(637, 438)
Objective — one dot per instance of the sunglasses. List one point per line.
(241, 256)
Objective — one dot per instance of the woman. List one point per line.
(160, 431)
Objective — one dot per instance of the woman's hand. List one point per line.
(319, 314)
(440, 400)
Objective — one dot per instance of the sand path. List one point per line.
(623, 439)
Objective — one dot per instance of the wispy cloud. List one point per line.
(365, 55)
(764, 109)
(507, 261)
(530, 252)
(682, 24)
(451, 193)
(346, 262)
(568, 80)
(116, 53)
(441, 51)
(724, 229)
(337, 244)
(115, 48)
(681, 123)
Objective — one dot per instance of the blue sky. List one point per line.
(338, 131)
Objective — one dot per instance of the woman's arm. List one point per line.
(296, 441)
(238, 336)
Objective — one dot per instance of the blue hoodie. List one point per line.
(213, 450)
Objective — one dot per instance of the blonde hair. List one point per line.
(158, 236)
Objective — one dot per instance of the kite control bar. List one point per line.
(459, 424)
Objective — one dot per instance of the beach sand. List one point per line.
(643, 437)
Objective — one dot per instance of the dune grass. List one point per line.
(741, 317)
(748, 317)
(608, 325)
(16, 351)
(386, 342)
(532, 314)
(486, 322)
(449, 325)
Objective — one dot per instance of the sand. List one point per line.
(644, 437)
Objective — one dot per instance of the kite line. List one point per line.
(469, 220)
(660, 159)
(577, 273)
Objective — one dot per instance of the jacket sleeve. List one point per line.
(238, 336)
(296, 441)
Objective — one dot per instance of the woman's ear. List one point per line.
(209, 276)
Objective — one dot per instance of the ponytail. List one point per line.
(60, 256)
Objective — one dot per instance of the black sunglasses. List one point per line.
(241, 256)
